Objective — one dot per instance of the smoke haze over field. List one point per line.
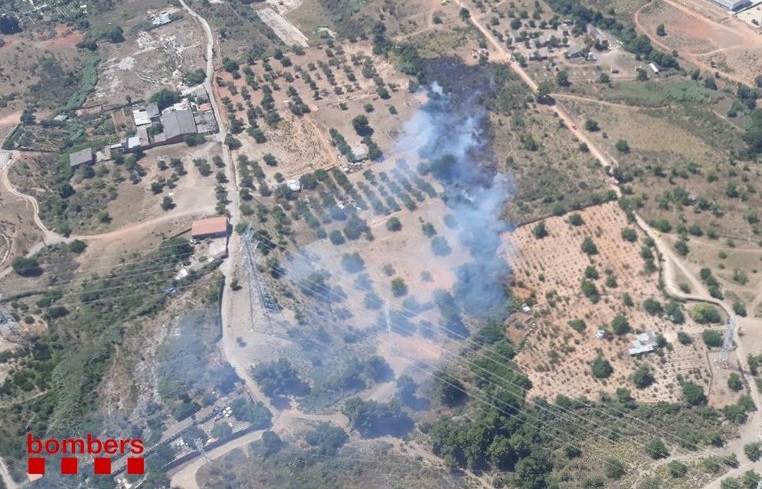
(450, 138)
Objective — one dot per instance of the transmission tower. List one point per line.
(727, 343)
(199, 445)
(256, 293)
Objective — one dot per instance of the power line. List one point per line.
(655, 431)
(560, 414)
(330, 295)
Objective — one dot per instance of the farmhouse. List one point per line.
(212, 227)
(81, 157)
(191, 115)
(177, 124)
(644, 343)
(163, 18)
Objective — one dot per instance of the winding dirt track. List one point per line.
(48, 236)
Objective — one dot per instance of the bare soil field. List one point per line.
(192, 193)
(688, 32)
(283, 28)
(150, 60)
(732, 49)
(556, 357)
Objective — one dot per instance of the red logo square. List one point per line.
(68, 466)
(102, 466)
(35, 466)
(135, 465)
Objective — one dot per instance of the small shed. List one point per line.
(81, 157)
(145, 114)
(576, 52)
(359, 153)
(294, 185)
(212, 227)
(644, 343)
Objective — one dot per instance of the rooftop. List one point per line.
(144, 114)
(644, 343)
(210, 226)
(178, 123)
(81, 157)
(161, 19)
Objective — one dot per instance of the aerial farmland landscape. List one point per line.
(376, 243)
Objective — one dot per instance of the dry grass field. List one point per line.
(405, 254)
(679, 165)
(127, 199)
(17, 230)
(555, 177)
(193, 194)
(558, 358)
(320, 20)
(302, 143)
(726, 261)
(36, 63)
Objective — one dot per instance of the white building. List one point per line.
(644, 343)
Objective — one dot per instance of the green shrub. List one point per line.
(601, 368)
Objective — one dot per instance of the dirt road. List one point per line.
(235, 320)
(6, 160)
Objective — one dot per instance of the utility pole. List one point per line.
(727, 343)
(388, 325)
(200, 448)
